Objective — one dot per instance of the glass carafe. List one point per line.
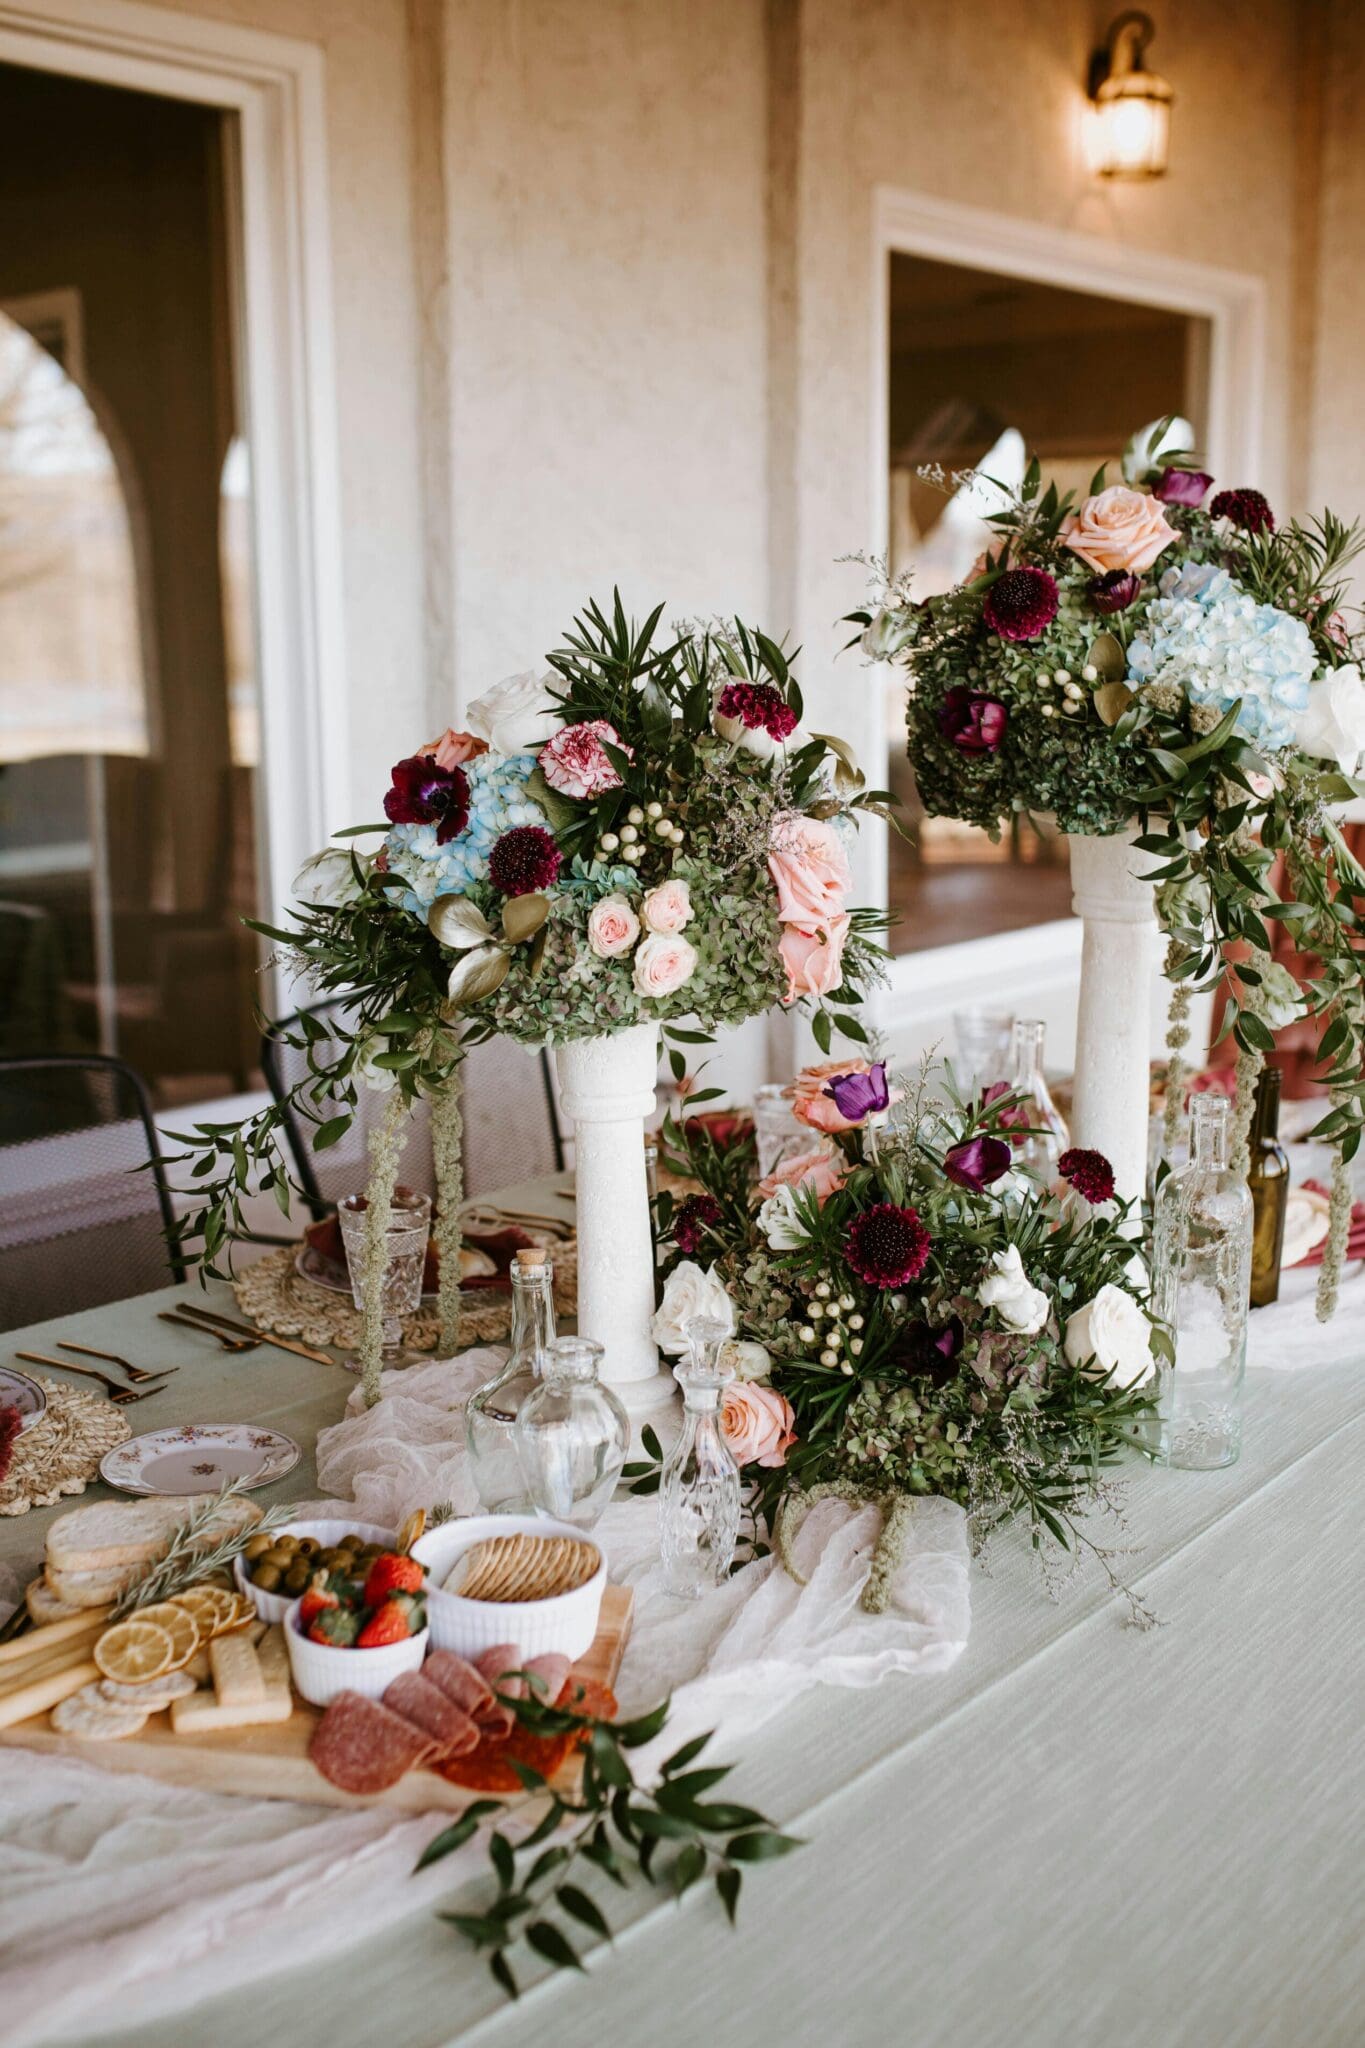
(699, 1493)
(1201, 1274)
(1047, 1137)
(572, 1434)
(491, 1413)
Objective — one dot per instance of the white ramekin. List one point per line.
(566, 1623)
(322, 1670)
(273, 1607)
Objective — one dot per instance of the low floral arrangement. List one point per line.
(915, 1313)
(1158, 653)
(644, 832)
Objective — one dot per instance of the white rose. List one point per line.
(517, 714)
(888, 633)
(1113, 1331)
(613, 927)
(1332, 728)
(668, 908)
(327, 879)
(1020, 1305)
(1279, 1000)
(662, 964)
(749, 1361)
(779, 1222)
(689, 1291)
(379, 1079)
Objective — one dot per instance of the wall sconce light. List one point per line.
(1131, 125)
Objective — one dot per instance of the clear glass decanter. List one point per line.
(1048, 1138)
(572, 1434)
(700, 1487)
(1201, 1281)
(490, 1413)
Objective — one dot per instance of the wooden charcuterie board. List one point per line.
(271, 1761)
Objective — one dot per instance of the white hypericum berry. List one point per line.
(816, 1311)
(654, 810)
(856, 1347)
(1049, 710)
(806, 1334)
(664, 829)
(846, 1302)
(823, 1289)
(1090, 674)
(1061, 675)
(634, 854)
(855, 1322)
(609, 842)
(847, 1370)
(635, 816)
(629, 835)
(829, 1358)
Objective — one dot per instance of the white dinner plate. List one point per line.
(17, 1390)
(199, 1457)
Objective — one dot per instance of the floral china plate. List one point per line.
(17, 1390)
(199, 1457)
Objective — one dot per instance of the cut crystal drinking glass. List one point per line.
(982, 1038)
(572, 1434)
(699, 1493)
(491, 1412)
(1201, 1283)
(409, 1229)
(1047, 1137)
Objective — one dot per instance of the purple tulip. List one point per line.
(978, 1162)
(858, 1096)
(973, 722)
(1115, 590)
(424, 793)
(1181, 486)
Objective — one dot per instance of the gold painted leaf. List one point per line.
(476, 975)
(455, 922)
(1107, 655)
(848, 776)
(1111, 700)
(523, 916)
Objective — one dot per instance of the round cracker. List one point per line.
(87, 1714)
(152, 1696)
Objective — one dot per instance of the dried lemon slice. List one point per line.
(183, 1628)
(134, 1650)
(211, 1607)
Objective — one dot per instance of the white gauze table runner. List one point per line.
(122, 1899)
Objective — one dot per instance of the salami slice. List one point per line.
(553, 1670)
(362, 1746)
(461, 1683)
(491, 1664)
(451, 1729)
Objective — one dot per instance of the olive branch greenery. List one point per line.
(670, 1832)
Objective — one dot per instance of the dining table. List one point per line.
(1081, 1832)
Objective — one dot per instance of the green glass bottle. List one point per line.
(1268, 1180)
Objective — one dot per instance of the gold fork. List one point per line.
(122, 1397)
(136, 1373)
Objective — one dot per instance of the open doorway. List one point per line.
(129, 709)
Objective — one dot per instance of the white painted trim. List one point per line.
(1234, 304)
(276, 86)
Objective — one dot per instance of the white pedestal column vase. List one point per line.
(607, 1086)
(1113, 1025)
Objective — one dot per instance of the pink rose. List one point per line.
(575, 763)
(821, 1172)
(757, 1423)
(613, 927)
(663, 962)
(814, 958)
(668, 907)
(453, 748)
(1119, 529)
(810, 1104)
(809, 866)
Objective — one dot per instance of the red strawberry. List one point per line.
(315, 1600)
(337, 1626)
(388, 1624)
(392, 1574)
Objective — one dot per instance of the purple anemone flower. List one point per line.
(424, 793)
(1115, 590)
(973, 722)
(858, 1096)
(933, 1351)
(1181, 486)
(977, 1162)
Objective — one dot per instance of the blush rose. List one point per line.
(667, 908)
(758, 1424)
(663, 963)
(809, 866)
(813, 958)
(613, 927)
(1119, 529)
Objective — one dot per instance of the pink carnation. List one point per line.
(575, 762)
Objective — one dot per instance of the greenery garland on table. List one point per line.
(1143, 652)
(916, 1313)
(644, 832)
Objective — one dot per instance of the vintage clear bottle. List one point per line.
(699, 1492)
(572, 1435)
(491, 1412)
(1048, 1138)
(1201, 1274)
(1268, 1179)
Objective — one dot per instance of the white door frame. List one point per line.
(928, 984)
(275, 86)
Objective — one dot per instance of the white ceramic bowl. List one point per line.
(566, 1623)
(322, 1670)
(273, 1607)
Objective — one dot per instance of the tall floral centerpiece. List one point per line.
(642, 837)
(1172, 675)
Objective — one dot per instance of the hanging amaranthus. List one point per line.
(447, 1133)
(1177, 1066)
(1338, 1235)
(386, 1150)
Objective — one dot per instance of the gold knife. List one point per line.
(301, 1350)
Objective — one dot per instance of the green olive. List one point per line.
(256, 1547)
(290, 1543)
(307, 1546)
(279, 1557)
(267, 1577)
(298, 1578)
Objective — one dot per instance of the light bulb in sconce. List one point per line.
(1130, 120)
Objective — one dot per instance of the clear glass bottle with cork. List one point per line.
(491, 1412)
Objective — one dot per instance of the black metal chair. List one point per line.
(511, 1127)
(85, 1209)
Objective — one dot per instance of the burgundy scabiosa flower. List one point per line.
(1247, 509)
(1021, 604)
(1115, 590)
(974, 723)
(424, 793)
(523, 860)
(1089, 1173)
(758, 707)
(696, 1215)
(858, 1096)
(887, 1246)
(1181, 486)
(977, 1162)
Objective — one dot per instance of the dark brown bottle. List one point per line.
(1269, 1184)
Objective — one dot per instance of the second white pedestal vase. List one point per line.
(607, 1085)
(1111, 1112)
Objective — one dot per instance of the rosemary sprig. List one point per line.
(615, 1823)
(186, 1560)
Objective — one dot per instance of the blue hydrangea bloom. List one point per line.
(497, 802)
(1208, 636)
